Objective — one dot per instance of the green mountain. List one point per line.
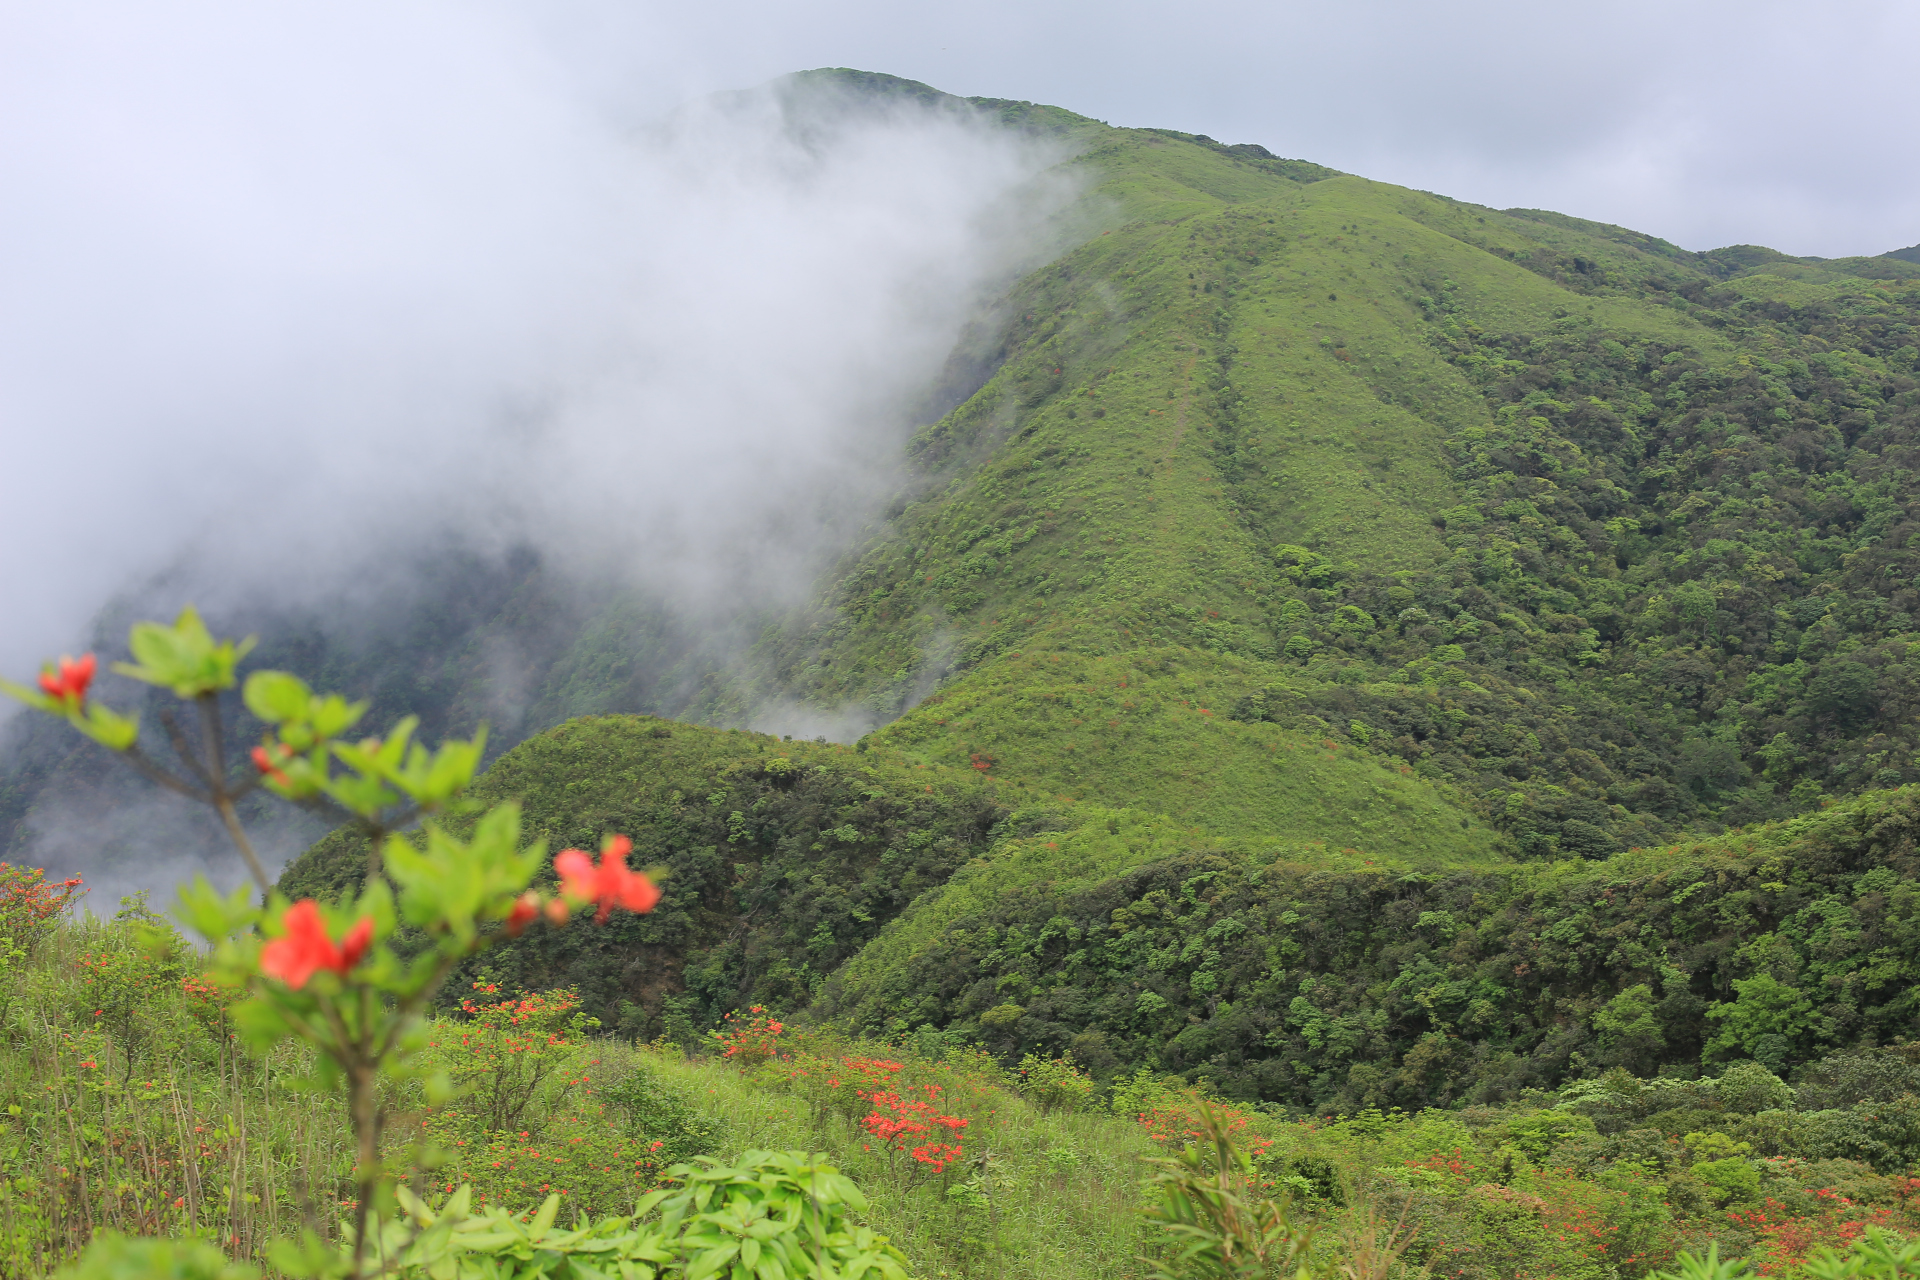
(1344, 642)
(1536, 521)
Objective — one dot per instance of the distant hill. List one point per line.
(1287, 515)
(1317, 582)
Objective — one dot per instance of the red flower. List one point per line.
(610, 884)
(265, 761)
(69, 684)
(525, 908)
(306, 949)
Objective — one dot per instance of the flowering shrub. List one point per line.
(509, 1051)
(580, 1154)
(327, 974)
(913, 1127)
(1790, 1239)
(28, 903)
(1874, 1255)
(1174, 1114)
(750, 1040)
(117, 990)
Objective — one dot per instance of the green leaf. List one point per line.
(32, 697)
(212, 916)
(111, 730)
(113, 1256)
(333, 715)
(260, 1023)
(183, 657)
(276, 696)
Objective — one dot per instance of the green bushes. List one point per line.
(770, 1215)
(1337, 989)
(1615, 1172)
(782, 859)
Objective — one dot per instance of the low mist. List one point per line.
(299, 298)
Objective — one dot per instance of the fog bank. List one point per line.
(290, 290)
(297, 295)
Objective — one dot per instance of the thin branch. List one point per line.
(184, 749)
(138, 760)
(239, 836)
(213, 742)
(237, 788)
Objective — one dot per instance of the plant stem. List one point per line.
(224, 804)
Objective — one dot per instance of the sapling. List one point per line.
(329, 974)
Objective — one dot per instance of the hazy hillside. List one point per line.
(1605, 538)
(1354, 552)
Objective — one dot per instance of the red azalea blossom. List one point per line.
(610, 884)
(307, 949)
(526, 908)
(269, 762)
(69, 683)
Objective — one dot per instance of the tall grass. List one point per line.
(1038, 1194)
(127, 1106)
(143, 1117)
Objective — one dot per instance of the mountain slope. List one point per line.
(1300, 508)
(1440, 482)
(1317, 583)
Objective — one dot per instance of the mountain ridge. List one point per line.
(1287, 518)
(1344, 645)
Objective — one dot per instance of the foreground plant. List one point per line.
(1878, 1254)
(330, 974)
(1220, 1223)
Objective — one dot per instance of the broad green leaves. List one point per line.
(773, 1215)
(451, 886)
(380, 772)
(183, 657)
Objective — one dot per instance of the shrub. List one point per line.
(1055, 1084)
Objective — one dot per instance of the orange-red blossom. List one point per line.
(609, 884)
(68, 683)
(269, 762)
(307, 948)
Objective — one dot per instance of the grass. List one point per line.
(1150, 731)
(1239, 361)
(1046, 1195)
(181, 1137)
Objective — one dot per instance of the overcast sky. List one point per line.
(1708, 122)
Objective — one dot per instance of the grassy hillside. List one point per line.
(1154, 730)
(127, 1108)
(1318, 528)
(1552, 513)
(1566, 532)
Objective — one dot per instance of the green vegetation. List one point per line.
(1360, 542)
(1611, 1177)
(1555, 514)
(1334, 989)
(1440, 681)
(780, 860)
